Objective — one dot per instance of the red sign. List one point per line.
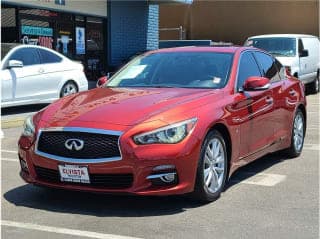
(45, 41)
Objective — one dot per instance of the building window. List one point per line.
(9, 31)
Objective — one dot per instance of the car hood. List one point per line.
(120, 106)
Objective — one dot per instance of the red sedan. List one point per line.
(171, 121)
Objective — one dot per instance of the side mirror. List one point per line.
(14, 64)
(255, 83)
(101, 81)
(304, 53)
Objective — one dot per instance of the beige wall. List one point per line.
(234, 21)
(90, 7)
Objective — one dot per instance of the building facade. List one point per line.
(235, 20)
(102, 34)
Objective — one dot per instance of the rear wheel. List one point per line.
(315, 85)
(297, 137)
(212, 168)
(68, 89)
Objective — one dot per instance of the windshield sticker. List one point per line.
(249, 43)
(216, 80)
(134, 71)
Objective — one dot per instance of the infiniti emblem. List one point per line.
(74, 144)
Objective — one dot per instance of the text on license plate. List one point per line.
(74, 173)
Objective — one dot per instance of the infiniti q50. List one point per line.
(171, 121)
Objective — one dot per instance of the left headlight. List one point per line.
(171, 134)
(28, 127)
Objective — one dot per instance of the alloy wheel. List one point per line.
(298, 132)
(214, 165)
(69, 89)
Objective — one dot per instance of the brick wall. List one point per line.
(153, 27)
(133, 28)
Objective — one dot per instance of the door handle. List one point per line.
(269, 100)
(41, 70)
(292, 92)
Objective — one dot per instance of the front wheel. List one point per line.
(212, 168)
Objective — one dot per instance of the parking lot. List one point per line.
(274, 197)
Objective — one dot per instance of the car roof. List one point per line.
(39, 47)
(282, 35)
(231, 49)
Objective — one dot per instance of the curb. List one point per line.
(12, 123)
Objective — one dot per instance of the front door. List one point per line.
(255, 108)
(28, 83)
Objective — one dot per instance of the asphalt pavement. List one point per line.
(273, 197)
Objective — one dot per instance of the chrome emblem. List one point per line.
(74, 144)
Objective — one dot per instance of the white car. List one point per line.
(299, 53)
(33, 74)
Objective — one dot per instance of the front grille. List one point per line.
(111, 181)
(96, 146)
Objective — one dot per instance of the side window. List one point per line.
(300, 45)
(29, 56)
(281, 69)
(247, 67)
(49, 57)
(268, 66)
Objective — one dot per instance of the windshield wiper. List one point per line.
(163, 86)
(278, 53)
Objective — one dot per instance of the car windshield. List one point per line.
(175, 69)
(278, 46)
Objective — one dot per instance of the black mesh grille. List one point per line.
(112, 181)
(96, 146)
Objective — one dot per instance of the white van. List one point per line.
(299, 53)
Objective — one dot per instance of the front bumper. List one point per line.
(146, 163)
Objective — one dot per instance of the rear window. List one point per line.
(49, 57)
(277, 46)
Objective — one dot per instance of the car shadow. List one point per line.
(104, 205)
(255, 167)
(22, 109)
(100, 205)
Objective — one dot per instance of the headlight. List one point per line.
(170, 134)
(28, 127)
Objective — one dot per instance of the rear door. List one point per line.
(255, 108)
(53, 71)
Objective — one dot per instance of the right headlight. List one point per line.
(171, 134)
(28, 127)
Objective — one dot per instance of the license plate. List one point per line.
(74, 173)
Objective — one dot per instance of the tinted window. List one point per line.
(248, 67)
(49, 57)
(29, 56)
(267, 65)
(278, 46)
(281, 69)
(176, 69)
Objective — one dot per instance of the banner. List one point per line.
(80, 41)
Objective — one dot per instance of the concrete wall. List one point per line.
(133, 28)
(234, 21)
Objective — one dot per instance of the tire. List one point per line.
(68, 88)
(297, 135)
(214, 165)
(315, 85)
